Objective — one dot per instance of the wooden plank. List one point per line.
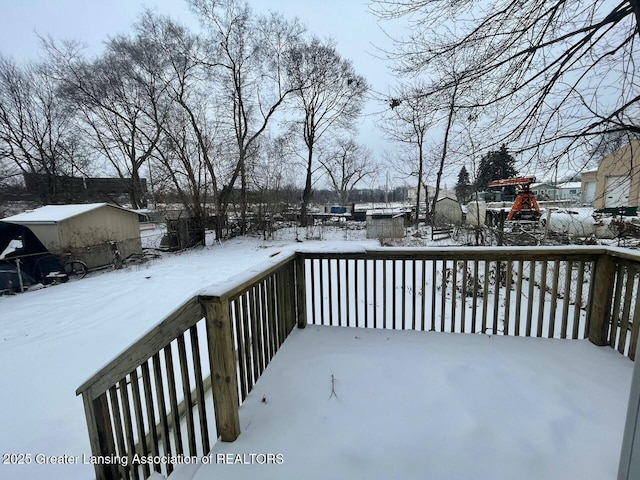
(403, 297)
(237, 328)
(463, 300)
(485, 296)
(554, 299)
(566, 298)
(128, 426)
(118, 428)
(200, 390)
(519, 297)
(366, 294)
(331, 292)
(162, 409)
(355, 295)
(578, 302)
(454, 287)
(247, 336)
(301, 292)
(322, 302)
(496, 297)
(314, 312)
(143, 348)
(348, 288)
(340, 284)
(264, 323)
(223, 370)
(433, 294)
(507, 298)
(602, 281)
(443, 297)
(375, 294)
(186, 391)
(259, 309)
(384, 294)
(626, 308)
(154, 448)
(100, 434)
(273, 314)
(394, 311)
(173, 401)
(137, 410)
(635, 326)
(614, 324)
(414, 288)
(292, 295)
(476, 253)
(543, 291)
(256, 326)
(532, 280)
(423, 313)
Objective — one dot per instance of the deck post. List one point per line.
(301, 292)
(100, 434)
(224, 380)
(599, 314)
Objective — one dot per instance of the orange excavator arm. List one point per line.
(525, 206)
(523, 181)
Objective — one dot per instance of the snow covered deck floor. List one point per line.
(430, 405)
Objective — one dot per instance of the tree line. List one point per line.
(210, 116)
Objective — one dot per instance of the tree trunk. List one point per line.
(306, 195)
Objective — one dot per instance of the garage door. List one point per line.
(616, 192)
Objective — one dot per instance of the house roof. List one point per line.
(570, 185)
(56, 213)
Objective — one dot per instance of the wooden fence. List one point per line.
(152, 405)
(158, 398)
(553, 292)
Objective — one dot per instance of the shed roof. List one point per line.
(570, 185)
(56, 213)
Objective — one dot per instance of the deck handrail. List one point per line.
(133, 403)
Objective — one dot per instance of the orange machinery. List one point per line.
(525, 206)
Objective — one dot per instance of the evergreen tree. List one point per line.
(495, 165)
(463, 187)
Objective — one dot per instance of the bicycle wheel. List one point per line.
(76, 269)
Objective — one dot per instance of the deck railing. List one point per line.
(151, 408)
(158, 398)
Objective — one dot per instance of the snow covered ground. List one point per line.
(52, 339)
(428, 405)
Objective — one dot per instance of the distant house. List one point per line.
(616, 182)
(84, 230)
(569, 191)
(544, 191)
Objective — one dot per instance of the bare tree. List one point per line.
(331, 97)
(114, 95)
(37, 131)
(346, 166)
(407, 122)
(559, 73)
(249, 54)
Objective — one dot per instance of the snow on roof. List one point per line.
(55, 213)
(570, 185)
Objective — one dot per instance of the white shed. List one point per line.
(84, 230)
(448, 210)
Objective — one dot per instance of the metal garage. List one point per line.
(86, 231)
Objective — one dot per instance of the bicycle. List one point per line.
(59, 269)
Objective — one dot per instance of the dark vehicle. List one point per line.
(25, 261)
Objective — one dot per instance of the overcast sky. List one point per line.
(347, 22)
